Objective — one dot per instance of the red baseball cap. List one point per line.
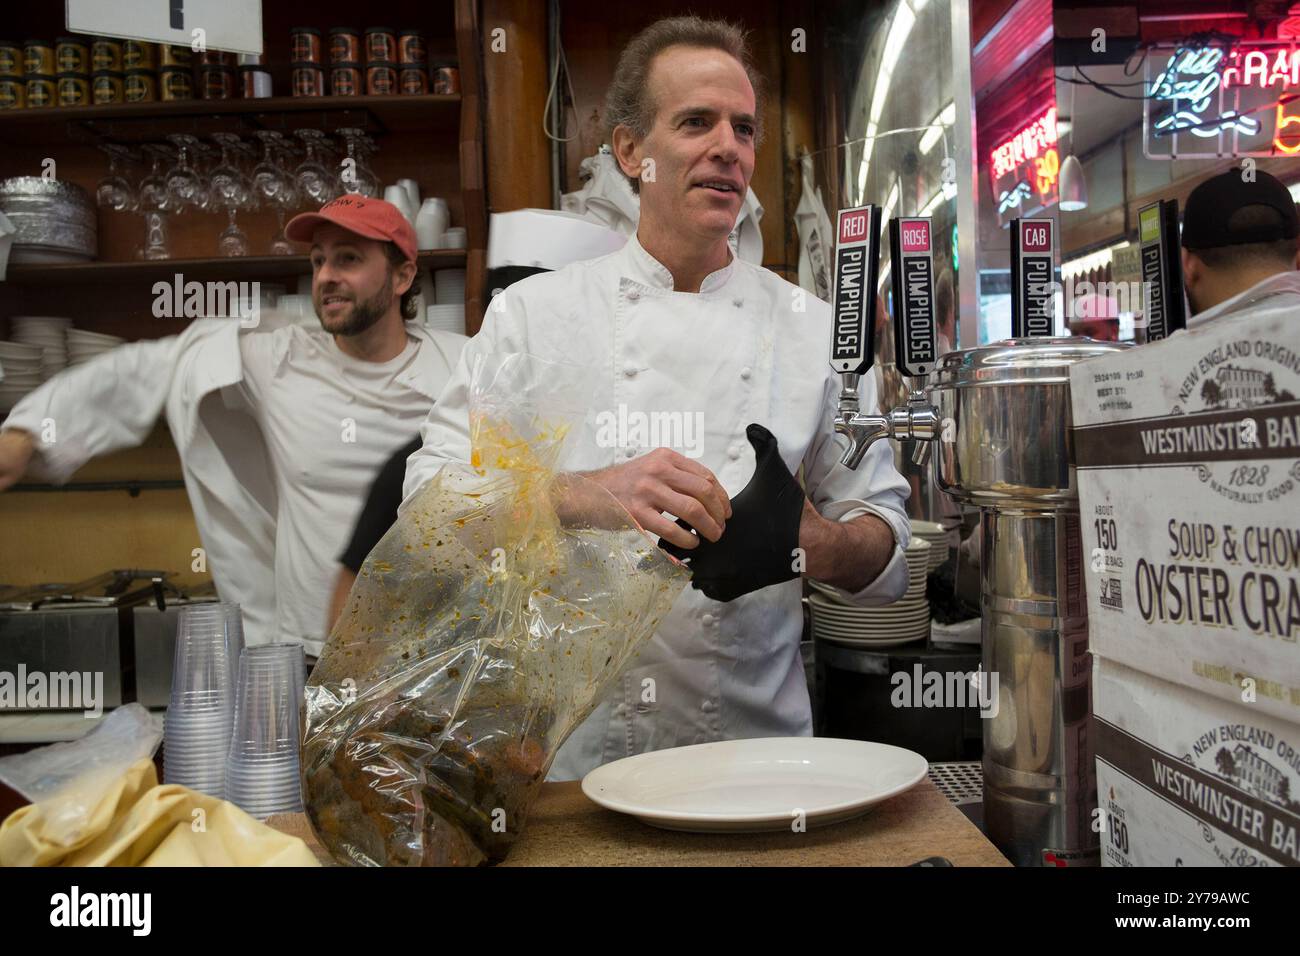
(370, 218)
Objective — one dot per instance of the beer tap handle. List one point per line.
(911, 272)
(1033, 271)
(857, 264)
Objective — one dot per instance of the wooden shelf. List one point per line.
(147, 122)
(217, 269)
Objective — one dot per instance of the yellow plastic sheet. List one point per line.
(134, 821)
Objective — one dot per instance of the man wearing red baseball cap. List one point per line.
(280, 433)
(354, 282)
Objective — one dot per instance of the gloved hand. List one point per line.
(756, 548)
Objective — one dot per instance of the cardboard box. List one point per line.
(1188, 468)
(1187, 779)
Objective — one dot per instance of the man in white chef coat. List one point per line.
(280, 433)
(673, 325)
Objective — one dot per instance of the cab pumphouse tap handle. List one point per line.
(911, 271)
(1033, 270)
(857, 265)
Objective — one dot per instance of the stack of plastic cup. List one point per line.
(262, 770)
(200, 716)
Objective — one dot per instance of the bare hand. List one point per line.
(664, 480)
(16, 449)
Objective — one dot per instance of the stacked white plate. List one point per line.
(448, 318)
(834, 619)
(49, 333)
(21, 365)
(933, 532)
(84, 346)
(449, 287)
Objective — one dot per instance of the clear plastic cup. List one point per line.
(200, 714)
(262, 768)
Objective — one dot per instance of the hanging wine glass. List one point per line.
(271, 181)
(355, 175)
(155, 203)
(233, 240)
(314, 179)
(231, 190)
(280, 244)
(114, 190)
(183, 180)
(225, 180)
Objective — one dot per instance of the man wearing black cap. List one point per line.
(1240, 246)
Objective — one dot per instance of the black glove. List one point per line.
(756, 549)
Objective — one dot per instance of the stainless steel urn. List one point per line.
(1004, 445)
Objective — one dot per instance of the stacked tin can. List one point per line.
(84, 70)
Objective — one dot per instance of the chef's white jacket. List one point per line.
(749, 347)
(202, 381)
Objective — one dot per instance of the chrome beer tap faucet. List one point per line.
(915, 345)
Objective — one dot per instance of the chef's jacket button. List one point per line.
(707, 618)
(630, 453)
(734, 452)
(708, 706)
(633, 295)
(746, 372)
(629, 371)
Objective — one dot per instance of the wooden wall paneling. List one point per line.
(518, 154)
(801, 120)
(473, 186)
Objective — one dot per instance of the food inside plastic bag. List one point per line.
(482, 630)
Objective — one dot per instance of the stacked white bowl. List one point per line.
(448, 318)
(933, 532)
(837, 620)
(49, 333)
(84, 346)
(449, 287)
(262, 767)
(21, 365)
(200, 715)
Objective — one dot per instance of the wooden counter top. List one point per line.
(566, 829)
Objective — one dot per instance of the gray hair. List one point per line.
(628, 103)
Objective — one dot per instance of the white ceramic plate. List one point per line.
(876, 631)
(873, 645)
(748, 786)
(867, 627)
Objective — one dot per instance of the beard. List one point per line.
(363, 315)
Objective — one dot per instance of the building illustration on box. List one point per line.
(1237, 387)
(1251, 772)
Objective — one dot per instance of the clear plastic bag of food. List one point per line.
(482, 630)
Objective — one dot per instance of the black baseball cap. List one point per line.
(1212, 203)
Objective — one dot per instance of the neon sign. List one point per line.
(1012, 198)
(1026, 166)
(1031, 141)
(1232, 99)
(1190, 82)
